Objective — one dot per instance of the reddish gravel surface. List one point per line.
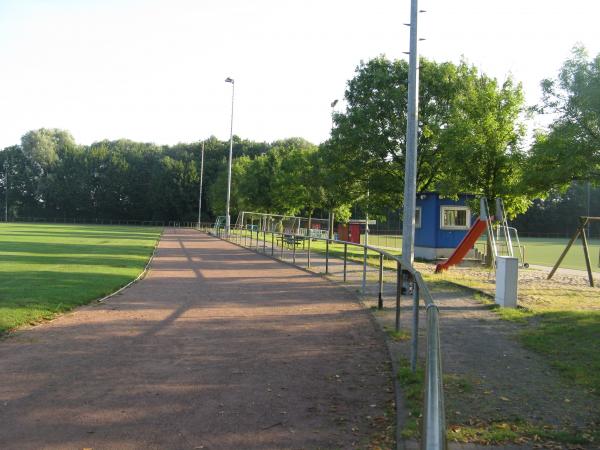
(216, 348)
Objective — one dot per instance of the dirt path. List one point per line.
(217, 348)
(489, 377)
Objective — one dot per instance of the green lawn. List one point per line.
(539, 251)
(545, 252)
(48, 269)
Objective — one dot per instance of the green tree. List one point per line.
(482, 141)
(369, 140)
(570, 148)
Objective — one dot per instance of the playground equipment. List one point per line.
(583, 222)
(500, 242)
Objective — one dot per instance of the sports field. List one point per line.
(48, 269)
(538, 251)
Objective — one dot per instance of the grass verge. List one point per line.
(509, 431)
(49, 269)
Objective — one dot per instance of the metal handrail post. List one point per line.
(434, 418)
(398, 293)
(294, 249)
(380, 296)
(327, 256)
(414, 348)
(264, 241)
(281, 255)
(308, 254)
(272, 243)
(364, 274)
(345, 260)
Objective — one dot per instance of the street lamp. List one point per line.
(227, 218)
(200, 193)
(333, 103)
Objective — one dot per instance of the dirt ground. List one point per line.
(217, 348)
(489, 376)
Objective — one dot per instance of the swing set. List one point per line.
(583, 222)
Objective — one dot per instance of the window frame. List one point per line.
(445, 208)
(418, 223)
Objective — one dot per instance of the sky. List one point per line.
(154, 70)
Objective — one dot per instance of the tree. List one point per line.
(482, 141)
(570, 148)
(369, 139)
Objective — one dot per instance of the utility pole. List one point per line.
(200, 195)
(410, 172)
(6, 190)
(227, 216)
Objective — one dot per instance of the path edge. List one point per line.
(141, 276)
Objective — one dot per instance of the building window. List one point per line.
(418, 217)
(455, 218)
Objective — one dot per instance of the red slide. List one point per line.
(465, 245)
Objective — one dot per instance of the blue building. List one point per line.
(440, 224)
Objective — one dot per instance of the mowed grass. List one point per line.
(49, 269)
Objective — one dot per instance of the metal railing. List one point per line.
(408, 281)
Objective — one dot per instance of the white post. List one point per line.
(410, 172)
(200, 194)
(227, 217)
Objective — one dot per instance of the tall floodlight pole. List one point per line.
(410, 172)
(333, 103)
(6, 191)
(200, 194)
(227, 217)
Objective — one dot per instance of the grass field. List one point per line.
(48, 269)
(545, 252)
(538, 251)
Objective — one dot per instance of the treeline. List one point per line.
(470, 139)
(50, 176)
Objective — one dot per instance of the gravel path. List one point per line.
(216, 348)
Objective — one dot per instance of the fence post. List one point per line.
(398, 293)
(308, 253)
(380, 298)
(414, 348)
(326, 256)
(272, 243)
(345, 259)
(364, 274)
(281, 257)
(257, 238)
(264, 241)
(294, 250)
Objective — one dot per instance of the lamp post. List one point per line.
(200, 194)
(410, 171)
(333, 103)
(227, 217)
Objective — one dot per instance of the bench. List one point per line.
(290, 240)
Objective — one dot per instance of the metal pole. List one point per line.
(327, 256)
(380, 297)
(6, 191)
(364, 274)
(415, 330)
(434, 418)
(200, 195)
(398, 293)
(227, 217)
(272, 242)
(265, 239)
(294, 250)
(410, 172)
(345, 260)
(586, 251)
(308, 254)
